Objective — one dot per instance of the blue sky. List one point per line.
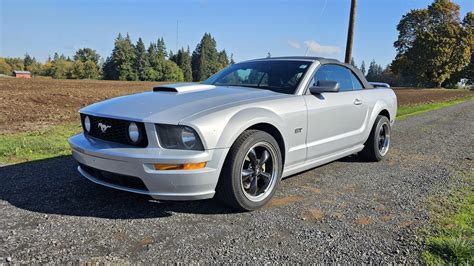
(248, 29)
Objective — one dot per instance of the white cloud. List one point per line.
(294, 44)
(315, 47)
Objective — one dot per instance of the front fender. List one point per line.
(219, 130)
(245, 119)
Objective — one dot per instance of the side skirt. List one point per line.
(321, 160)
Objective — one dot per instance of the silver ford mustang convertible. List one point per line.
(237, 134)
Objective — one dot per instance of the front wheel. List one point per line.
(376, 147)
(251, 172)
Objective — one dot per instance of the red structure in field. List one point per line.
(22, 74)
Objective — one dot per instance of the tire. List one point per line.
(373, 150)
(245, 183)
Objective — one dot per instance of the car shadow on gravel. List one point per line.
(53, 186)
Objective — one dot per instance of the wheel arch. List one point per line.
(385, 112)
(253, 118)
(275, 133)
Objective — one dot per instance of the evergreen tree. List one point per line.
(153, 58)
(269, 55)
(27, 61)
(232, 59)
(183, 60)
(362, 67)
(223, 59)
(353, 63)
(161, 49)
(375, 71)
(172, 56)
(205, 58)
(120, 65)
(141, 60)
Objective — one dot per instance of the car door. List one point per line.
(335, 119)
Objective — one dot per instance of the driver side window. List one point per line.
(334, 73)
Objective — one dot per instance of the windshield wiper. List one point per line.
(242, 85)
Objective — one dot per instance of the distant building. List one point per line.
(22, 74)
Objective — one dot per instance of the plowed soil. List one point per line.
(30, 104)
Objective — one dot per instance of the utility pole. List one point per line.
(350, 32)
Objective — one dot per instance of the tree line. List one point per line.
(435, 47)
(130, 62)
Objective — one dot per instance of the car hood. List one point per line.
(175, 102)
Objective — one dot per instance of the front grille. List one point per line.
(115, 130)
(114, 178)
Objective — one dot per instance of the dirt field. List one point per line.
(29, 104)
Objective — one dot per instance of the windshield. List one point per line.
(281, 76)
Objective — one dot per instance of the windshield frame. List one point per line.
(213, 79)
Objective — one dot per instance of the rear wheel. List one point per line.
(251, 172)
(378, 144)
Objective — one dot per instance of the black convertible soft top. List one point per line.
(325, 61)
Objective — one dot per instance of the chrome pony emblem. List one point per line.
(103, 127)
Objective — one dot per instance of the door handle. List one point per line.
(357, 102)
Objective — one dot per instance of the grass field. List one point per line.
(450, 241)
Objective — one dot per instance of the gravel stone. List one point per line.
(360, 212)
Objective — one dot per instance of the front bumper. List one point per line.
(138, 162)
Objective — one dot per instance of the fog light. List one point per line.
(185, 166)
(87, 124)
(133, 133)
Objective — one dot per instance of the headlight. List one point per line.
(87, 124)
(133, 133)
(178, 137)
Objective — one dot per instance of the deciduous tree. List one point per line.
(5, 68)
(432, 44)
(87, 54)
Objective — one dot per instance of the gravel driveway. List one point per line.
(346, 211)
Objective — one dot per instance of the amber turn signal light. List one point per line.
(185, 166)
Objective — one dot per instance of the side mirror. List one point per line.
(325, 86)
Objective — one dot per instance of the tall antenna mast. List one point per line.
(177, 34)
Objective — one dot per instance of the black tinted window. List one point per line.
(276, 75)
(334, 73)
(356, 82)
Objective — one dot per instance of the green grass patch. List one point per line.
(47, 143)
(409, 110)
(451, 240)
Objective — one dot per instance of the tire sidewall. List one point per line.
(237, 189)
(380, 121)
